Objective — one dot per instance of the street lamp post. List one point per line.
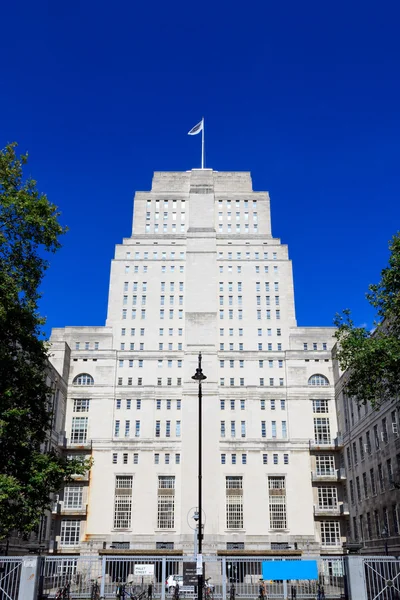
(385, 535)
(199, 376)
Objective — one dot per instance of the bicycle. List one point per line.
(176, 592)
(208, 589)
(261, 590)
(232, 592)
(320, 592)
(120, 592)
(95, 591)
(140, 596)
(64, 592)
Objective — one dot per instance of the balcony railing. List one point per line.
(331, 444)
(326, 511)
(324, 475)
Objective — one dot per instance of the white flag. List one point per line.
(196, 129)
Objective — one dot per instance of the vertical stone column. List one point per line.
(29, 582)
(355, 574)
(201, 336)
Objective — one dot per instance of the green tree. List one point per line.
(373, 357)
(29, 228)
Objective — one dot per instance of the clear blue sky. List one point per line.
(305, 95)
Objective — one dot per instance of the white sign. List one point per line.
(143, 570)
(199, 565)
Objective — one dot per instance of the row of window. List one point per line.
(273, 382)
(267, 285)
(372, 526)
(229, 203)
(143, 300)
(124, 458)
(160, 363)
(364, 446)
(276, 431)
(85, 379)
(156, 255)
(168, 428)
(129, 381)
(235, 458)
(233, 404)
(330, 530)
(246, 228)
(82, 404)
(261, 363)
(135, 313)
(229, 269)
(239, 300)
(168, 404)
(367, 486)
(164, 229)
(142, 331)
(247, 255)
(267, 314)
(315, 346)
(166, 214)
(86, 346)
(239, 217)
(172, 269)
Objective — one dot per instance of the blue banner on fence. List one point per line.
(289, 569)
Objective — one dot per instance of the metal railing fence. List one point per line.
(10, 574)
(229, 576)
(382, 577)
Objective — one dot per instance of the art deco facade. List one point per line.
(201, 272)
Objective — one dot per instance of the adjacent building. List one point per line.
(201, 272)
(371, 453)
(42, 540)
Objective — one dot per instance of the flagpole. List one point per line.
(202, 144)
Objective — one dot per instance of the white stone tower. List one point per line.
(201, 272)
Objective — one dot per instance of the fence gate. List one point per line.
(10, 573)
(382, 578)
(78, 571)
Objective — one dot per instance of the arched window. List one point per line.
(318, 380)
(83, 379)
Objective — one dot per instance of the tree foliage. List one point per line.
(29, 227)
(373, 357)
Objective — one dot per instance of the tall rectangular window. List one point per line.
(277, 502)
(322, 434)
(234, 502)
(137, 428)
(327, 497)
(123, 502)
(166, 502)
(73, 496)
(330, 533)
(79, 430)
(70, 533)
